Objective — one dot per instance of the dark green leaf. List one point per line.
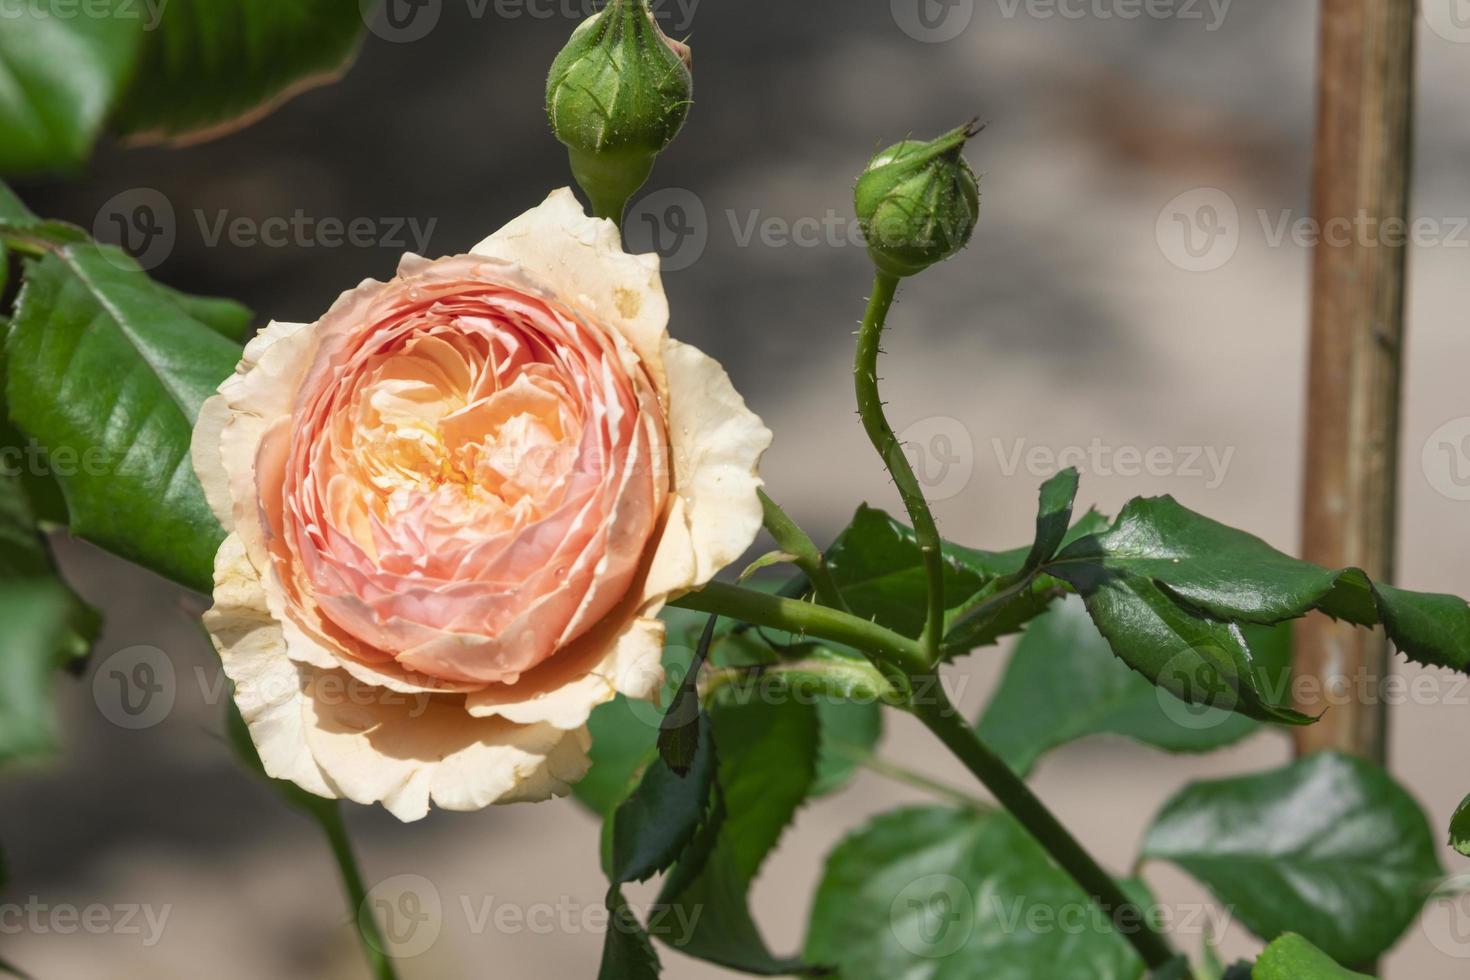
(209, 63)
(951, 894)
(678, 733)
(657, 820)
(1329, 846)
(12, 209)
(1053, 517)
(101, 367)
(1293, 958)
(1231, 575)
(62, 67)
(1063, 683)
(1460, 828)
(767, 767)
(627, 952)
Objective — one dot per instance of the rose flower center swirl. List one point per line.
(472, 483)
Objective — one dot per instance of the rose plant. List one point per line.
(456, 529)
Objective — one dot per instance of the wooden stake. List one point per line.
(1360, 199)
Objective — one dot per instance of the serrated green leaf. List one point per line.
(1199, 660)
(767, 767)
(1234, 576)
(1329, 846)
(933, 893)
(1293, 958)
(654, 824)
(102, 366)
(1063, 683)
(1460, 828)
(60, 69)
(210, 63)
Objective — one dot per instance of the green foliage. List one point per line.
(169, 69)
(46, 627)
(768, 761)
(878, 568)
(63, 71)
(1293, 958)
(1329, 847)
(952, 894)
(105, 367)
(209, 63)
(1063, 684)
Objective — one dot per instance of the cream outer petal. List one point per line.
(407, 752)
(269, 687)
(717, 443)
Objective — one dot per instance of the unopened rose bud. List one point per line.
(917, 202)
(617, 95)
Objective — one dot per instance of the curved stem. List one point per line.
(796, 542)
(941, 718)
(880, 433)
(796, 616)
(330, 818)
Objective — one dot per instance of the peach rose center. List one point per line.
(470, 480)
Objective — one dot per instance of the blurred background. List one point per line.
(1137, 288)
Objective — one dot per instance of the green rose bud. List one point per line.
(616, 96)
(917, 203)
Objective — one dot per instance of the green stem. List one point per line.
(941, 718)
(880, 433)
(796, 616)
(796, 542)
(330, 818)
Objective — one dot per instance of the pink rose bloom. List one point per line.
(456, 504)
